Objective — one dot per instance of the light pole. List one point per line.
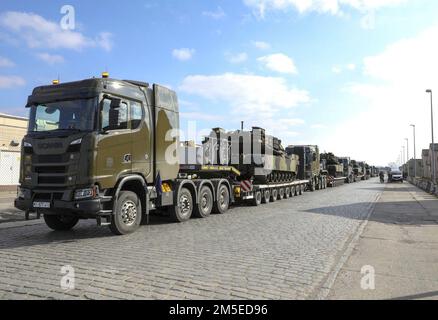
(403, 157)
(407, 154)
(415, 153)
(433, 141)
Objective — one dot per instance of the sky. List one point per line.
(348, 75)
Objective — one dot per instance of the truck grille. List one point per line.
(51, 158)
(51, 180)
(54, 169)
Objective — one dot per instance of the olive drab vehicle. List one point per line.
(110, 150)
(348, 169)
(261, 157)
(309, 165)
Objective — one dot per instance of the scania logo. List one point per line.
(50, 145)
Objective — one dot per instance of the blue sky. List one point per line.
(321, 72)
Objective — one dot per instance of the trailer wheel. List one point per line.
(293, 191)
(127, 215)
(205, 205)
(60, 223)
(301, 190)
(266, 196)
(281, 194)
(274, 195)
(223, 200)
(183, 209)
(257, 199)
(287, 193)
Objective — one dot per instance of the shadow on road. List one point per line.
(419, 296)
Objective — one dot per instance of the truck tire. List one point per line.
(223, 200)
(205, 205)
(266, 196)
(127, 215)
(257, 199)
(183, 209)
(60, 222)
(300, 190)
(274, 195)
(312, 185)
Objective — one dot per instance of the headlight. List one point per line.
(86, 193)
(27, 145)
(78, 141)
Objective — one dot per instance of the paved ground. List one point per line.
(400, 242)
(7, 212)
(285, 250)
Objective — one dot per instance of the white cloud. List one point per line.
(261, 45)
(7, 82)
(183, 54)
(336, 69)
(5, 62)
(333, 7)
(237, 58)
(279, 63)
(37, 32)
(257, 100)
(218, 14)
(50, 58)
(390, 98)
(339, 69)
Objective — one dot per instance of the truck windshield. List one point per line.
(77, 115)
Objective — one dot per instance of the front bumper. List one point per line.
(85, 208)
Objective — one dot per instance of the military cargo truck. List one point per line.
(309, 165)
(335, 169)
(109, 150)
(348, 169)
(358, 169)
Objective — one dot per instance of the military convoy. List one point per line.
(110, 150)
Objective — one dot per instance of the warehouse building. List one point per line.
(12, 131)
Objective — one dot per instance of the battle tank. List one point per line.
(258, 156)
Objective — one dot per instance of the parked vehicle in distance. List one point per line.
(395, 176)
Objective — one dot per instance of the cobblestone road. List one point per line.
(284, 250)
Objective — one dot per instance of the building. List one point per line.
(426, 164)
(416, 166)
(12, 131)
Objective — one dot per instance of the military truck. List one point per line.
(359, 170)
(348, 169)
(335, 169)
(309, 166)
(108, 150)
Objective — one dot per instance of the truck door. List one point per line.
(141, 139)
(114, 147)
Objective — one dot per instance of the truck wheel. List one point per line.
(127, 215)
(205, 205)
(223, 200)
(312, 186)
(274, 195)
(281, 194)
(266, 196)
(301, 190)
(183, 209)
(60, 222)
(257, 199)
(287, 193)
(293, 192)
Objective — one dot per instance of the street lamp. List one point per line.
(433, 141)
(407, 154)
(415, 153)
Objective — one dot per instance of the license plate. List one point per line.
(44, 205)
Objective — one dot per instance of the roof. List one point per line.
(4, 115)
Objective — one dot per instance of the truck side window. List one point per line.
(114, 118)
(136, 115)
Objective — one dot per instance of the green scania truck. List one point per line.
(108, 150)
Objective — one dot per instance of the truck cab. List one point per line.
(89, 143)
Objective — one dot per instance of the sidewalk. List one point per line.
(400, 242)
